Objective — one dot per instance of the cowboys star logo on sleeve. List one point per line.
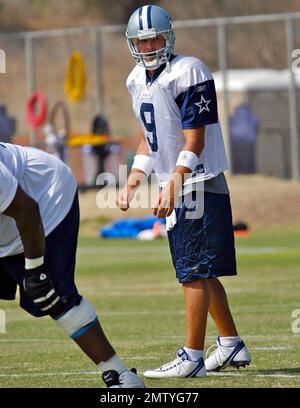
(203, 104)
(198, 105)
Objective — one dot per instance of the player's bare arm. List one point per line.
(25, 211)
(37, 283)
(135, 178)
(194, 142)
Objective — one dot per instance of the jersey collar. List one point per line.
(158, 71)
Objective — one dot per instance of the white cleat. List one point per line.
(180, 367)
(127, 379)
(237, 356)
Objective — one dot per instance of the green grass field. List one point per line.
(133, 287)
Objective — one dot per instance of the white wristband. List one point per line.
(34, 263)
(143, 163)
(188, 159)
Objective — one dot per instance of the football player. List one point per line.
(39, 220)
(174, 100)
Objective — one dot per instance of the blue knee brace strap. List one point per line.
(78, 320)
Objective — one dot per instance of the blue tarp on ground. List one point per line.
(129, 228)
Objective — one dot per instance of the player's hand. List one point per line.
(165, 203)
(123, 199)
(38, 286)
(135, 179)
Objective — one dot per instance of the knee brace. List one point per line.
(78, 320)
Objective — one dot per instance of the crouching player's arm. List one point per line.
(141, 169)
(37, 283)
(186, 163)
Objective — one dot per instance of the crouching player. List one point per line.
(39, 220)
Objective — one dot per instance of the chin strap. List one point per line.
(168, 66)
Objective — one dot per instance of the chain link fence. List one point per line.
(251, 57)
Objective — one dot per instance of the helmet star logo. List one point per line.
(203, 105)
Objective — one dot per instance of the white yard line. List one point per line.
(34, 341)
(63, 374)
(272, 348)
(245, 337)
(75, 373)
(227, 374)
(120, 250)
(15, 317)
(260, 250)
(151, 250)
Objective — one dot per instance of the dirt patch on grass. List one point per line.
(265, 201)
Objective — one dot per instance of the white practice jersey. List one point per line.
(44, 178)
(182, 97)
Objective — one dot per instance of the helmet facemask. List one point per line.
(160, 56)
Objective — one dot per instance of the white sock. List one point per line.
(114, 363)
(229, 341)
(193, 355)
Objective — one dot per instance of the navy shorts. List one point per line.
(60, 259)
(203, 248)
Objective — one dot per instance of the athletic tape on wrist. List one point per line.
(34, 263)
(143, 163)
(188, 159)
